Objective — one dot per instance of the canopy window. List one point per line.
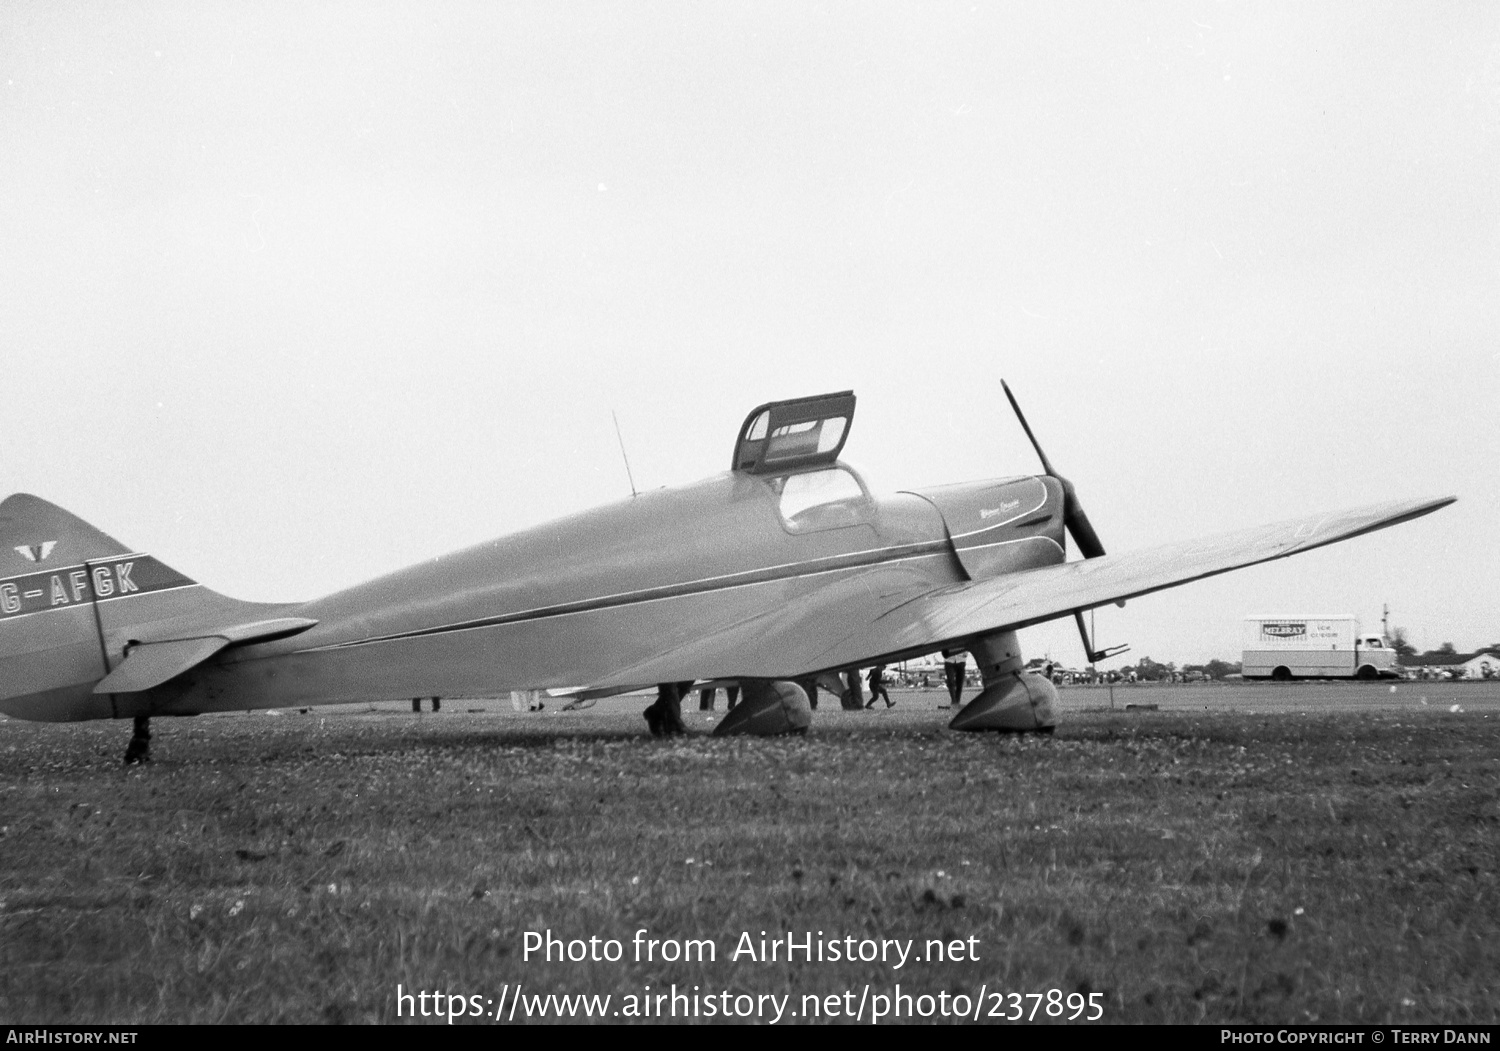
(796, 434)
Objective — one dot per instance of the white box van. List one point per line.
(1314, 647)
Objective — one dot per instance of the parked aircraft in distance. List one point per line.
(779, 570)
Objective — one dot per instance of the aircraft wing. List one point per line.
(1018, 600)
(896, 611)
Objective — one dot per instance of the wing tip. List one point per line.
(1420, 507)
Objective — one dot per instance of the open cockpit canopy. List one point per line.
(792, 435)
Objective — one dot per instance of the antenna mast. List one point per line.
(621, 439)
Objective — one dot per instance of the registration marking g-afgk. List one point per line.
(90, 582)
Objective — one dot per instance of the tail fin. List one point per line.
(75, 602)
(51, 646)
(52, 561)
(37, 535)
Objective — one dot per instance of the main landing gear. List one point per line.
(665, 716)
(1014, 700)
(768, 708)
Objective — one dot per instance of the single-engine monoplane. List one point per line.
(777, 572)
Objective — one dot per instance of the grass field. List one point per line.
(1256, 853)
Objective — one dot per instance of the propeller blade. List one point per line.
(1079, 526)
(1046, 465)
(1074, 518)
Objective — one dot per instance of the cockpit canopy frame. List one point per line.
(792, 435)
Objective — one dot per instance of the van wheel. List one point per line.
(1366, 673)
(1282, 674)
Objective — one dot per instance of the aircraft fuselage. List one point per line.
(570, 603)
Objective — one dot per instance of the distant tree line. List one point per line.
(1148, 670)
(1405, 649)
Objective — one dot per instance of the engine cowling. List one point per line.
(1002, 526)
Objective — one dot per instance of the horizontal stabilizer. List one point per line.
(149, 664)
(153, 663)
(263, 630)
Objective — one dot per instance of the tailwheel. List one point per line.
(139, 749)
(1013, 700)
(768, 708)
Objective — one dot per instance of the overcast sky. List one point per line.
(296, 294)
